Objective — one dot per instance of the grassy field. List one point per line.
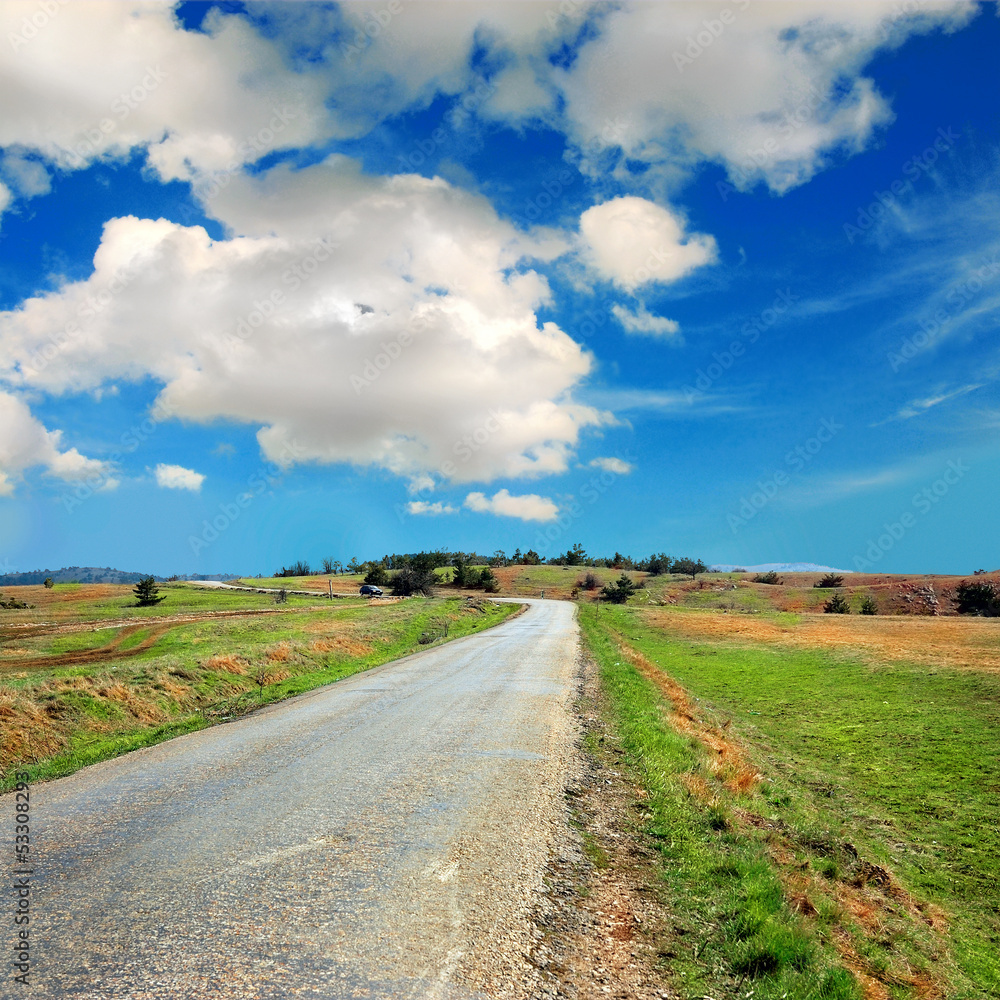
(85, 675)
(824, 792)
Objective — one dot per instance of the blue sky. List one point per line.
(295, 281)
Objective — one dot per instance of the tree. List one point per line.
(461, 574)
(354, 566)
(689, 567)
(575, 556)
(49, 584)
(146, 592)
(376, 575)
(499, 558)
(531, 558)
(657, 563)
(978, 598)
(868, 605)
(488, 581)
(619, 591)
(837, 605)
(828, 581)
(328, 564)
(408, 581)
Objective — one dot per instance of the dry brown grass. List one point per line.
(958, 643)
(229, 663)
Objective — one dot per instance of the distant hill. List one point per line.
(780, 568)
(93, 574)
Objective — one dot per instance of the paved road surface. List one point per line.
(382, 837)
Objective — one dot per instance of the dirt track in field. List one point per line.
(157, 627)
(957, 643)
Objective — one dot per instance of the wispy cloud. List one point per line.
(616, 465)
(426, 507)
(918, 407)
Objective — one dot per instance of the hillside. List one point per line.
(90, 574)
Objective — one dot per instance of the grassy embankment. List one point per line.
(818, 806)
(86, 675)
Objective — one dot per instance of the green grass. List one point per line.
(732, 929)
(895, 761)
(97, 711)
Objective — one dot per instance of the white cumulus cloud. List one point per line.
(632, 241)
(529, 507)
(25, 443)
(176, 477)
(375, 321)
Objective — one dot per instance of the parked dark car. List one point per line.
(370, 590)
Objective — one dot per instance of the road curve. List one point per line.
(384, 836)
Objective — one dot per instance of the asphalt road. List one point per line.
(381, 837)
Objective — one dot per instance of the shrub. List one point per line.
(837, 605)
(978, 599)
(868, 605)
(49, 584)
(300, 568)
(769, 577)
(619, 591)
(409, 581)
(828, 581)
(376, 575)
(13, 604)
(146, 592)
(590, 582)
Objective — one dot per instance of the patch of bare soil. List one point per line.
(597, 932)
